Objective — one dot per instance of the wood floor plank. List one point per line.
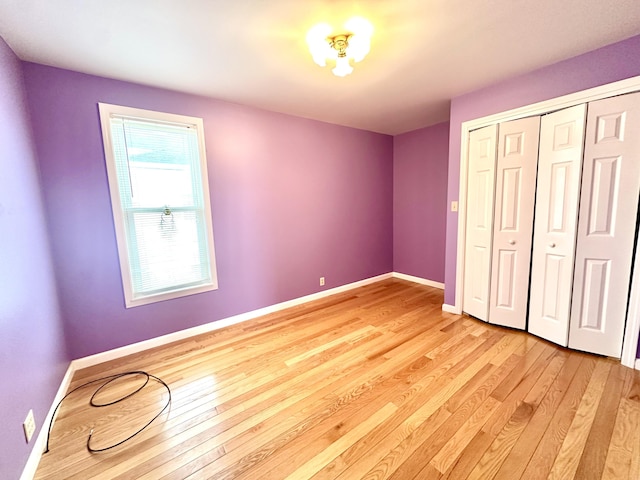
(632, 422)
(374, 383)
(460, 440)
(319, 432)
(545, 398)
(618, 463)
(213, 437)
(413, 432)
(323, 458)
(470, 456)
(491, 461)
(547, 450)
(376, 445)
(568, 458)
(524, 382)
(374, 371)
(594, 455)
(408, 418)
(399, 399)
(445, 440)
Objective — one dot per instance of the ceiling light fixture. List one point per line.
(352, 45)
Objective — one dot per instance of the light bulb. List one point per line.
(342, 67)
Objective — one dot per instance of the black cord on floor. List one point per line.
(107, 380)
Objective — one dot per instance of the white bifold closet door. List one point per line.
(606, 226)
(479, 222)
(556, 216)
(513, 221)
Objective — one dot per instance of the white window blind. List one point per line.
(159, 195)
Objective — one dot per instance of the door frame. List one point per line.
(629, 85)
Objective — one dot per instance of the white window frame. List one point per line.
(107, 111)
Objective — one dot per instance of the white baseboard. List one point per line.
(40, 443)
(637, 363)
(430, 283)
(80, 363)
(41, 440)
(421, 281)
(451, 309)
(216, 325)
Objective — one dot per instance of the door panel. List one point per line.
(513, 225)
(506, 278)
(479, 222)
(595, 288)
(606, 229)
(556, 216)
(553, 272)
(561, 172)
(604, 189)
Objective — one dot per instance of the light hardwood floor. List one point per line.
(374, 383)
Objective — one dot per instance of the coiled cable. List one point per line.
(107, 380)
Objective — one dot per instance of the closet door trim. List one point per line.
(604, 91)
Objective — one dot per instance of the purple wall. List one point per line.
(420, 160)
(33, 355)
(292, 200)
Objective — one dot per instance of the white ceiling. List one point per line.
(253, 52)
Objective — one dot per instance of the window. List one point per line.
(157, 171)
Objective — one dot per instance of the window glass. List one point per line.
(160, 200)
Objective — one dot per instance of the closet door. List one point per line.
(556, 215)
(513, 222)
(606, 229)
(479, 222)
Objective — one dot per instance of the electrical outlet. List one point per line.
(454, 206)
(322, 281)
(29, 426)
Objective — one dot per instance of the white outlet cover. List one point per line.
(29, 426)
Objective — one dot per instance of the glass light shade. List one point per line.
(359, 26)
(318, 45)
(358, 47)
(319, 58)
(342, 67)
(360, 40)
